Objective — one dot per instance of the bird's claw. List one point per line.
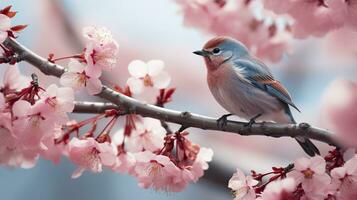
(222, 121)
(252, 121)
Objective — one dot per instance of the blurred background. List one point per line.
(154, 30)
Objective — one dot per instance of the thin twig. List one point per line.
(185, 119)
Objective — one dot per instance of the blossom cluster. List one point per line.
(100, 53)
(34, 121)
(267, 27)
(315, 178)
(31, 117)
(316, 17)
(266, 35)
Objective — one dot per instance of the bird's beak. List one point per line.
(202, 53)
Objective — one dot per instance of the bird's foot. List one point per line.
(252, 121)
(222, 121)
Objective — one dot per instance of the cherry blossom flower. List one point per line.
(155, 171)
(339, 113)
(126, 160)
(79, 76)
(148, 135)
(99, 35)
(126, 163)
(311, 174)
(345, 180)
(242, 186)
(101, 50)
(88, 154)
(12, 152)
(59, 100)
(279, 190)
(150, 74)
(204, 156)
(5, 25)
(30, 125)
(191, 173)
(53, 150)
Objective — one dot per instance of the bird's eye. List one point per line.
(216, 51)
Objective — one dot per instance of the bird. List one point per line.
(244, 86)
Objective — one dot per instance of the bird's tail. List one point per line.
(308, 146)
(305, 143)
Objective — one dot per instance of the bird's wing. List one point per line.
(258, 74)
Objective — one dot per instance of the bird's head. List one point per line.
(220, 50)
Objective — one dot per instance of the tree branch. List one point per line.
(185, 119)
(93, 107)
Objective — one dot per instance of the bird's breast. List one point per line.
(238, 96)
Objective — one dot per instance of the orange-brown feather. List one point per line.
(268, 80)
(214, 42)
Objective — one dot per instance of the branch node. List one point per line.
(186, 114)
(304, 126)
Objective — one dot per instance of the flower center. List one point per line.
(308, 173)
(92, 160)
(240, 193)
(148, 81)
(52, 101)
(82, 78)
(35, 119)
(154, 169)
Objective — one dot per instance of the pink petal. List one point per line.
(138, 68)
(108, 159)
(77, 143)
(164, 160)
(21, 108)
(351, 166)
(93, 71)
(78, 172)
(94, 86)
(316, 183)
(52, 90)
(14, 79)
(136, 85)
(118, 137)
(3, 36)
(161, 80)
(75, 66)
(144, 156)
(151, 124)
(5, 23)
(296, 175)
(318, 165)
(302, 164)
(251, 182)
(250, 196)
(155, 67)
(70, 79)
(205, 154)
(29, 163)
(67, 97)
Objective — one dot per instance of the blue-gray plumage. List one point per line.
(245, 87)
